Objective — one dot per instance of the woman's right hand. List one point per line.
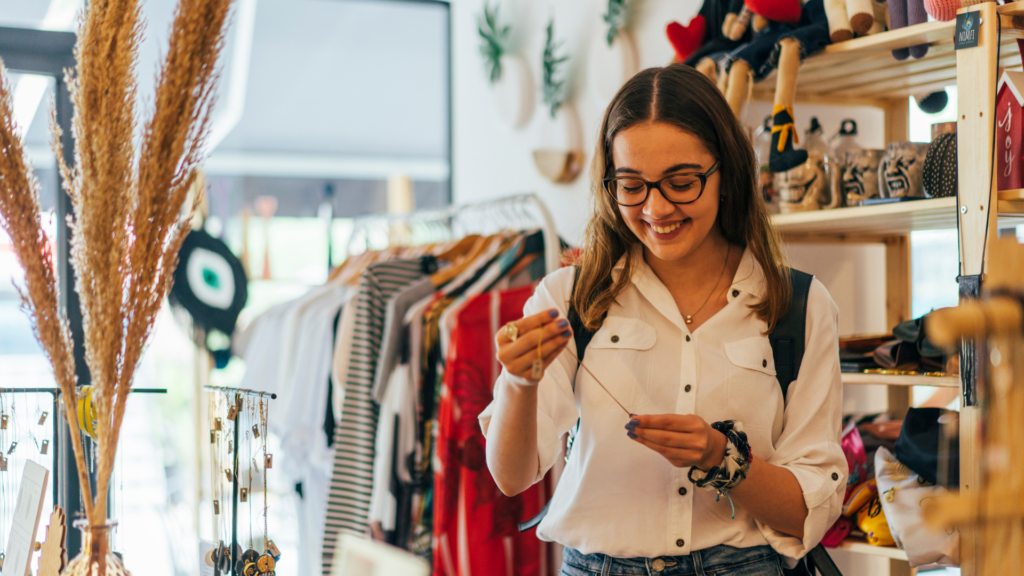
(517, 357)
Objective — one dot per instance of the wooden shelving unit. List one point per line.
(916, 380)
(862, 72)
(861, 546)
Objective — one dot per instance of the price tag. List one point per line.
(965, 35)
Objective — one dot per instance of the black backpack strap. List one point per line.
(580, 333)
(788, 336)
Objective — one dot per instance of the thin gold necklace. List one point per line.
(689, 317)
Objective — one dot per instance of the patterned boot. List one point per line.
(783, 157)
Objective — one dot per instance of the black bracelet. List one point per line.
(735, 463)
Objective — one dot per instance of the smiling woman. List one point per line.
(684, 350)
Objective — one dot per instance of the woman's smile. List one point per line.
(667, 230)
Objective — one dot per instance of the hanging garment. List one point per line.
(348, 502)
(475, 525)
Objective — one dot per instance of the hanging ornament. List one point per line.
(210, 285)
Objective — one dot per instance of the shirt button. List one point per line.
(735, 293)
(682, 490)
(687, 338)
(658, 565)
(835, 476)
(764, 363)
(680, 543)
(687, 389)
(615, 339)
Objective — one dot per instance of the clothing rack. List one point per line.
(519, 211)
(238, 392)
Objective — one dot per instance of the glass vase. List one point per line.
(96, 558)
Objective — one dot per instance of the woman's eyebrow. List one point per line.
(676, 168)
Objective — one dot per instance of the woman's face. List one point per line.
(652, 151)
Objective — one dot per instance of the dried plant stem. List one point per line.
(130, 217)
(20, 218)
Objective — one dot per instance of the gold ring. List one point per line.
(511, 331)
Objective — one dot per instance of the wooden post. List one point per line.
(977, 74)
(897, 120)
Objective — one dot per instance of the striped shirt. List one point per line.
(348, 502)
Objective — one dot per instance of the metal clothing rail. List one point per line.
(457, 221)
(238, 392)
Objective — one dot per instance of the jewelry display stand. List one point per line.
(234, 448)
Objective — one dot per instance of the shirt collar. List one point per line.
(749, 276)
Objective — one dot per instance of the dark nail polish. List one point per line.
(631, 435)
(566, 334)
(563, 323)
(632, 425)
(553, 313)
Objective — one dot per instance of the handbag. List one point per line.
(902, 492)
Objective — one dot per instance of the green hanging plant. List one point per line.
(615, 18)
(554, 88)
(495, 41)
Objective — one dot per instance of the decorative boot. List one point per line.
(916, 14)
(783, 157)
(897, 20)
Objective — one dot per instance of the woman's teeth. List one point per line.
(666, 229)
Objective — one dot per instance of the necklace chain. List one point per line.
(725, 264)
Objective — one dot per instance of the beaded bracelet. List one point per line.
(734, 467)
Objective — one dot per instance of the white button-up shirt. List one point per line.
(620, 498)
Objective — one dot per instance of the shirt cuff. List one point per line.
(823, 496)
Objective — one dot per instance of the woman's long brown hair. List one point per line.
(681, 96)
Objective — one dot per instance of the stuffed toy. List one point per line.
(847, 18)
(701, 43)
(781, 45)
(908, 13)
(946, 9)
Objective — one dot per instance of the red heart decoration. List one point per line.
(686, 39)
(787, 11)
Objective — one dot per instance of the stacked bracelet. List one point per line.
(734, 466)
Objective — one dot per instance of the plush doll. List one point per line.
(782, 45)
(908, 13)
(702, 43)
(946, 9)
(847, 18)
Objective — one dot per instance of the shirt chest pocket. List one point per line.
(754, 392)
(619, 355)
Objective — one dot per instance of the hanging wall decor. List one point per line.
(128, 189)
(612, 58)
(210, 285)
(508, 74)
(560, 156)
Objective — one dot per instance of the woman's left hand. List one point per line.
(685, 440)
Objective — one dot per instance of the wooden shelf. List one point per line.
(863, 71)
(889, 380)
(875, 221)
(860, 546)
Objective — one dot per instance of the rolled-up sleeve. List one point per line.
(809, 445)
(556, 407)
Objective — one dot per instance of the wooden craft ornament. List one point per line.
(230, 475)
(3, 422)
(42, 418)
(45, 447)
(268, 461)
(217, 423)
(266, 563)
(243, 495)
(216, 506)
(11, 449)
(255, 431)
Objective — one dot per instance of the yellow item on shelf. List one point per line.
(86, 411)
(871, 519)
(861, 497)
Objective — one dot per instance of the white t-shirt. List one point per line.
(620, 498)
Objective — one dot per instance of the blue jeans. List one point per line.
(717, 560)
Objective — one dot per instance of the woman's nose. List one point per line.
(657, 206)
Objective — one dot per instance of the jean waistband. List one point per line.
(717, 559)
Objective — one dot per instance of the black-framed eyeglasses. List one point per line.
(676, 188)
